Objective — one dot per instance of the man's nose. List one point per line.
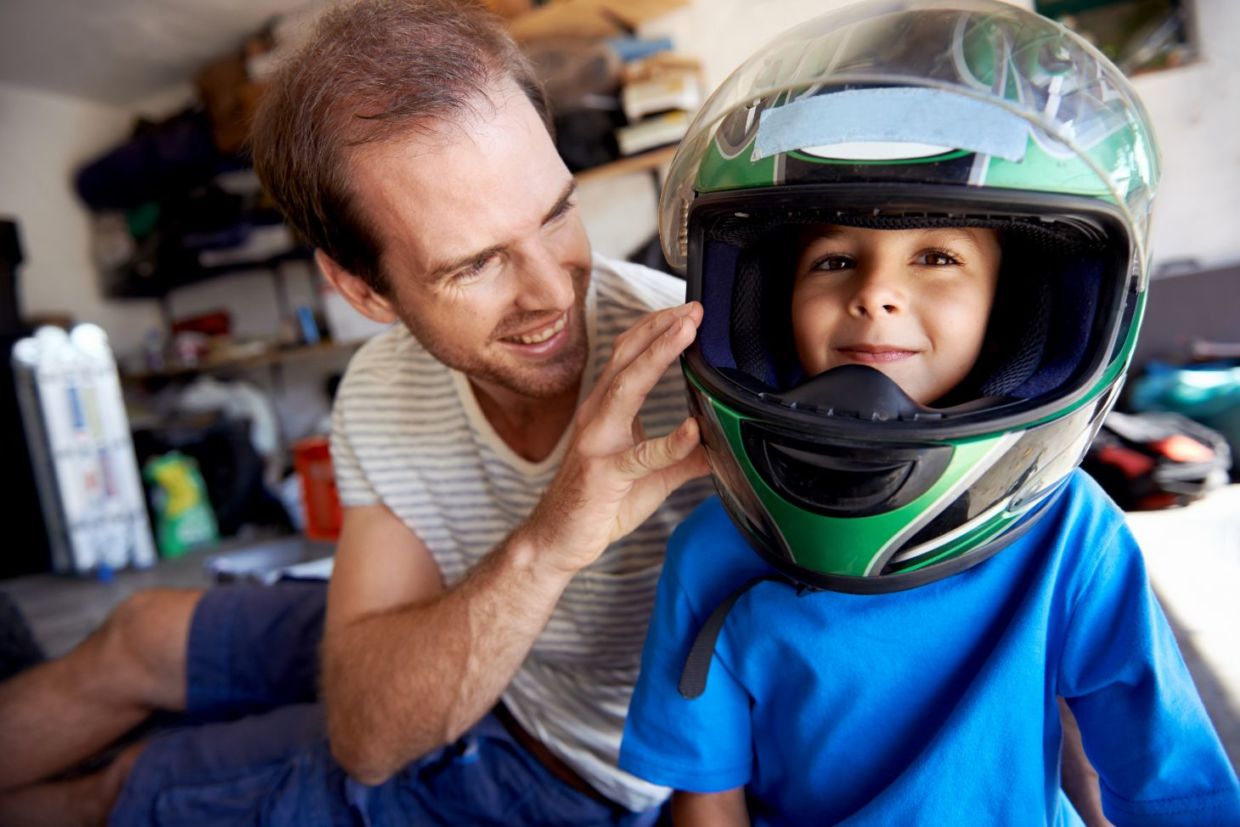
(545, 282)
(879, 293)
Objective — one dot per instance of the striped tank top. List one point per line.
(408, 434)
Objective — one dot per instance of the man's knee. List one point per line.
(142, 645)
(105, 785)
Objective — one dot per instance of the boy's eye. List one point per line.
(832, 263)
(938, 258)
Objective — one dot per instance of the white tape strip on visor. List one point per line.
(905, 115)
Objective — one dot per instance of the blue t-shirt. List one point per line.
(934, 705)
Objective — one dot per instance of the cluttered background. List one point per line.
(170, 354)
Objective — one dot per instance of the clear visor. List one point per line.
(1062, 297)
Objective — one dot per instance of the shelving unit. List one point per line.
(651, 162)
(274, 356)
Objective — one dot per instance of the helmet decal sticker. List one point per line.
(909, 115)
(876, 151)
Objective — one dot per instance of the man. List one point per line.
(494, 466)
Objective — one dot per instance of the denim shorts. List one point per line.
(253, 748)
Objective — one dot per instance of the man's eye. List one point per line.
(562, 212)
(470, 272)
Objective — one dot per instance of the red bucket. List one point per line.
(313, 461)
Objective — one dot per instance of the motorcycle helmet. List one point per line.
(896, 114)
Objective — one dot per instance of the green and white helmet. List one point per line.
(898, 114)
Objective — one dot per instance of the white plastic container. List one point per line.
(82, 451)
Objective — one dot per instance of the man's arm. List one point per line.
(725, 809)
(409, 665)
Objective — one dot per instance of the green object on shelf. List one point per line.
(143, 220)
(183, 516)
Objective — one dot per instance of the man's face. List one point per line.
(913, 304)
(485, 256)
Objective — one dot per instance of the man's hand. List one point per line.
(613, 477)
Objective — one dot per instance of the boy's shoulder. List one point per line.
(708, 557)
(1083, 512)
(1081, 546)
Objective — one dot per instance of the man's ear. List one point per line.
(357, 292)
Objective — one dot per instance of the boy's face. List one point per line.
(911, 303)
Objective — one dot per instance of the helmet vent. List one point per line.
(843, 481)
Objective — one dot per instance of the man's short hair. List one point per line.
(372, 71)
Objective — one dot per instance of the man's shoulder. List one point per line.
(625, 286)
(386, 357)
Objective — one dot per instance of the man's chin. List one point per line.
(542, 381)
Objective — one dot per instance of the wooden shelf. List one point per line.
(157, 287)
(650, 161)
(274, 356)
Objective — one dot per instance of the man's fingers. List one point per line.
(624, 395)
(638, 430)
(654, 455)
(636, 341)
(656, 468)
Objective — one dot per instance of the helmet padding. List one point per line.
(1036, 340)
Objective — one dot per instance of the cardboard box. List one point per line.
(588, 18)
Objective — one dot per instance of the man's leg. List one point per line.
(241, 650)
(486, 777)
(84, 801)
(57, 714)
(270, 769)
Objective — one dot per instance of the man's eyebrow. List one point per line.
(443, 270)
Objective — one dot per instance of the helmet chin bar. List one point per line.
(864, 392)
(841, 479)
(859, 391)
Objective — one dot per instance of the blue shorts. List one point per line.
(254, 748)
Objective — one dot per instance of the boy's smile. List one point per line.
(913, 304)
(867, 354)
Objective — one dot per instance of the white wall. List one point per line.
(1195, 111)
(1196, 114)
(43, 138)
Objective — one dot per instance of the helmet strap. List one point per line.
(697, 665)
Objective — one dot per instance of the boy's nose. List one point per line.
(878, 294)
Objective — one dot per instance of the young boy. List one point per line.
(919, 303)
